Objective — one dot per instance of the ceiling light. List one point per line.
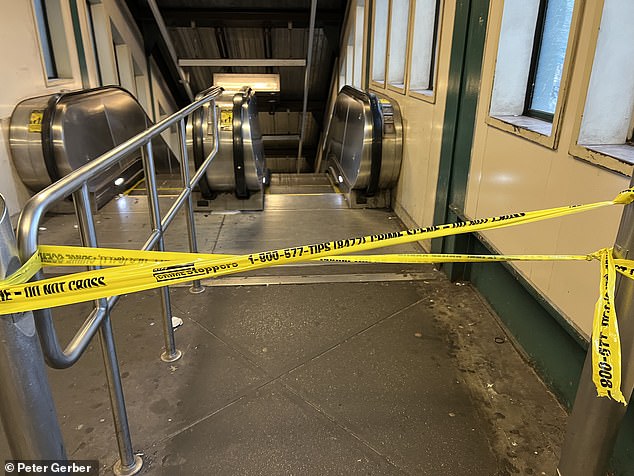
(257, 82)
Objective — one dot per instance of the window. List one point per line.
(379, 40)
(351, 71)
(399, 20)
(426, 16)
(52, 34)
(105, 44)
(405, 34)
(605, 129)
(123, 61)
(549, 51)
(93, 42)
(534, 53)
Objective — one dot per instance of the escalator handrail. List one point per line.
(198, 144)
(48, 148)
(198, 150)
(377, 146)
(239, 100)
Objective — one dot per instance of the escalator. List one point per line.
(51, 136)
(364, 147)
(237, 177)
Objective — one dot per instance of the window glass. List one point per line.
(551, 51)
(45, 38)
(50, 26)
(379, 40)
(424, 45)
(608, 115)
(399, 20)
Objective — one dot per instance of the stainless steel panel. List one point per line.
(81, 126)
(220, 174)
(391, 143)
(349, 141)
(26, 145)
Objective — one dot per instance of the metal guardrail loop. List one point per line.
(76, 184)
(35, 209)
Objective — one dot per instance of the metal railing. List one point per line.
(76, 184)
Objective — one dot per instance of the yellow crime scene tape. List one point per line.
(131, 271)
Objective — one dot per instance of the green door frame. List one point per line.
(463, 90)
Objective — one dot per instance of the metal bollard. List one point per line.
(27, 410)
(594, 422)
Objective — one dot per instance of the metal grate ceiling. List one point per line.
(252, 29)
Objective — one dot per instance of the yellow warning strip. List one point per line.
(451, 258)
(129, 191)
(606, 343)
(83, 256)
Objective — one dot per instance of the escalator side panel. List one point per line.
(239, 165)
(364, 142)
(349, 141)
(78, 127)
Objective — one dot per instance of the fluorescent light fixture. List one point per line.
(340, 179)
(119, 181)
(258, 82)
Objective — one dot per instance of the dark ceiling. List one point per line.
(251, 29)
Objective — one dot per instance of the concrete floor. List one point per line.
(306, 369)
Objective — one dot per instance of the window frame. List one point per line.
(538, 39)
(374, 84)
(427, 95)
(618, 158)
(408, 49)
(66, 72)
(46, 44)
(534, 129)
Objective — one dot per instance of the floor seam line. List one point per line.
(347, 430)
(222, 222)
(338, 344)
(229, 346)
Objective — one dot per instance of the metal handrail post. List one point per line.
(196, 286)
(171, 353)
(594, 422)
(128, 463)
(27, 410)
